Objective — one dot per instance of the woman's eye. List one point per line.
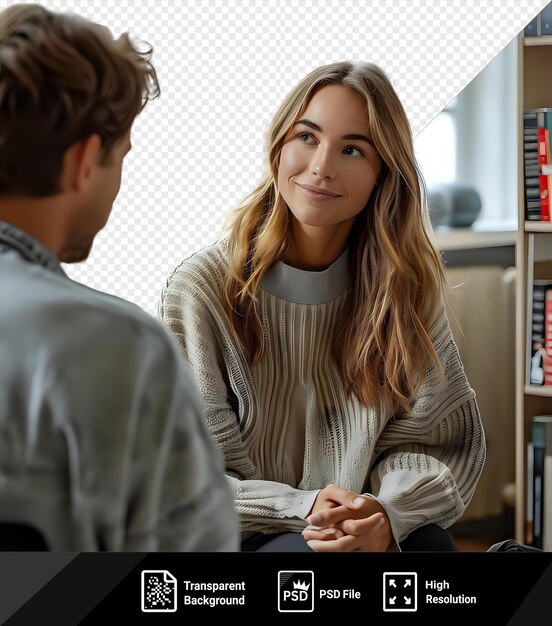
(304, 137)
(352, 151)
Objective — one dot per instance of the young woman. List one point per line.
(317, 335)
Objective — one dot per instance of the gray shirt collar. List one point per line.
(304, 287)
(13, 238)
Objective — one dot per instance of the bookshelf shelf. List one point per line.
(533, 263)
(534, 390)
(546, 40)
(538, 227)
(467, 238)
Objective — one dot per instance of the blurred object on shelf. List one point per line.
(453, 205)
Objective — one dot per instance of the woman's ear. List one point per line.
(79, 162)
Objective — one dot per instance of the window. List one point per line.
(472, 143)
(436, 150)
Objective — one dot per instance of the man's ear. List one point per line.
(79, 161)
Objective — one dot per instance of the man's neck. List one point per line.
(39, 217)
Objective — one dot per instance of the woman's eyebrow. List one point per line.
(350, 136)
(355, 137)
(310, 124)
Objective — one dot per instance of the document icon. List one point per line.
(158, 591)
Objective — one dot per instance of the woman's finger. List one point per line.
(357, 527)
(344, 544)
(324, 534)
(327, 517)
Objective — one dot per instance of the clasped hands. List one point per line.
(345, 521)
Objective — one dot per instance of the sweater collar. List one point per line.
(305, 287)
(13, 238)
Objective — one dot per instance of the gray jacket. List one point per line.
(102, 442)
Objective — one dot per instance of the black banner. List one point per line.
(86, 588)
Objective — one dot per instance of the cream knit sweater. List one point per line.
(285, 426)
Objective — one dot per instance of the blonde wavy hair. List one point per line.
(382, 347)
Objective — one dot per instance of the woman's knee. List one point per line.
(430, 538)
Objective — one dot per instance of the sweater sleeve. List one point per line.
(429, 461)
(190, 309)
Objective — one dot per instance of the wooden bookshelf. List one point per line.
(534, 245)
(538, 227)
(538, 41)
(467, 239)
(532, 390)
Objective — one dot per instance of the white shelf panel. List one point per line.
(466, 239)
(538, 227)
(545, 40)
(535, 390)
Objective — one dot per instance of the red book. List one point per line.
(544, 159)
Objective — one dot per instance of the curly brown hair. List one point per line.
(62, 79)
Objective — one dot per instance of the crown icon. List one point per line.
(300, 585)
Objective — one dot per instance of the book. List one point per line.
(535, 187)
(547, 504)
(544, 160)
(547, 364)
(531, 29)
(546, 20)
(530, 502)
(535, 118)
(541, 430)
(537, 348)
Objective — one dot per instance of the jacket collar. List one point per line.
(13, 238)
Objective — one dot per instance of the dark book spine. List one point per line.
(538, 341)
(538, 493)
(541, 430)
(531, 166)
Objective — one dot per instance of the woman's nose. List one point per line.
(322, 165)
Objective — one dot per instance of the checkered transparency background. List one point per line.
(224, 67)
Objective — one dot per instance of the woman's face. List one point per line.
(328, 165)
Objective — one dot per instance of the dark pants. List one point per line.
(430, 538)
